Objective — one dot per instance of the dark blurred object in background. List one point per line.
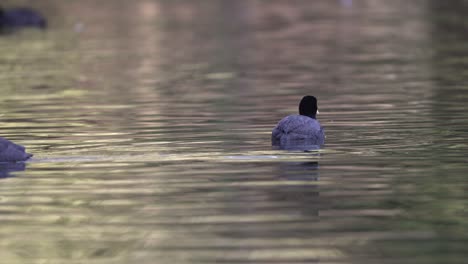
(15, 18)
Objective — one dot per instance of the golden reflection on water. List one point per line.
(151, 132)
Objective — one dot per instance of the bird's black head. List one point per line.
(308, 106)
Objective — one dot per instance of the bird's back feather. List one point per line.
(298, 129)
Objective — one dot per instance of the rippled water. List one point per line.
(150, 122)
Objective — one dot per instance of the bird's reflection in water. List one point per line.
(279, 207)
(305, 171)
(299, 190)
(7, 167)
(305, 144)
(299, 171)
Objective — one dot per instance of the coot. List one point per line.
(10, 151)
(14, 18)
(302, 129)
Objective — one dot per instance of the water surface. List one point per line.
(150, 122)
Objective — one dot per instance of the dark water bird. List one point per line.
(300, 131)
(10, 151)
(15, 18)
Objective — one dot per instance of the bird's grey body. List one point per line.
(10, 151)
(302, 131)
(298, 130)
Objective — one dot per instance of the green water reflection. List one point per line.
(150, 123)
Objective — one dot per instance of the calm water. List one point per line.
(150, 123)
